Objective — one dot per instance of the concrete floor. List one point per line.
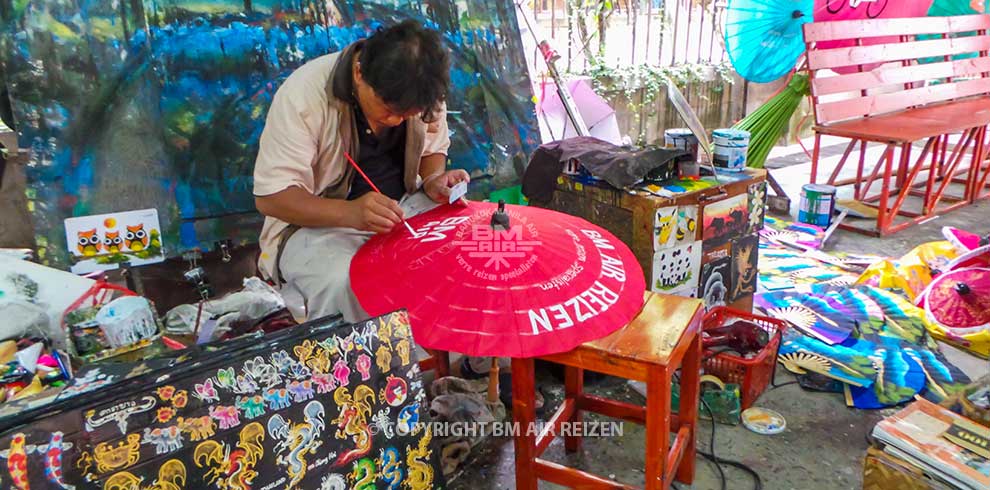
(825, 441)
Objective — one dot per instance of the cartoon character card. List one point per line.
(104, 241)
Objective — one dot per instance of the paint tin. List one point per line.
(817, 204)
(683, 139)
(731, 146)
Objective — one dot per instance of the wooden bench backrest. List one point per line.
(869, 93)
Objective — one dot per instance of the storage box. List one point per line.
(325, 404)
(882, 471)
(690, 237)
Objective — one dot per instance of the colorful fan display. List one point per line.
(886, 356)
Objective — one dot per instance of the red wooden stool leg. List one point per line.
(688, 411)
(657, 426)
(443, 363)
(573, 388)
(524, 415)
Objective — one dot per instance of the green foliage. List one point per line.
(650, 81)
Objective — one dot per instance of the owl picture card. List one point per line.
(105, 241)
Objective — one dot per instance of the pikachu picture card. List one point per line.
(105, 241)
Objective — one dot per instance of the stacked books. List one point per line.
(946, 446)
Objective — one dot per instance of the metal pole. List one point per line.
(677, 19)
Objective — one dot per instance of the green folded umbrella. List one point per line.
(768, 123)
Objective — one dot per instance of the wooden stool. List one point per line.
(439, 361)
(664, 336)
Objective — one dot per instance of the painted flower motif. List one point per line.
(165, 414)
(341, 372)
(363, 366)
(166, 392)
(180, 399)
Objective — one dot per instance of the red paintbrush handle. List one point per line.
(366, 179)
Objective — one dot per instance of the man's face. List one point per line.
(378, 113)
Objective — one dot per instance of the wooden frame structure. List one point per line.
(904, 102)
(664, 337)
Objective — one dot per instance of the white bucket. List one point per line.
(127, 321)
(731, 146)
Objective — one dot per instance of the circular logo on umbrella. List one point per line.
(506, 251)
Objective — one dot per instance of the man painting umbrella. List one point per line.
(381, 101)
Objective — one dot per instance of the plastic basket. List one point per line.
(753, 374)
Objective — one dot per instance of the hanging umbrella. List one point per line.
(522, 282)
(959, 301)
(763, 37)
(946, 8)
(595, 111)
(829, 10)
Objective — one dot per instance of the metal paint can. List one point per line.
(731, 146)
(682, 139)
(817, 204)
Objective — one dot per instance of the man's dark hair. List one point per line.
(408, 67)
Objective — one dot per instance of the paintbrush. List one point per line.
(373, 186)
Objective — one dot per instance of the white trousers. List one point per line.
(316, 264)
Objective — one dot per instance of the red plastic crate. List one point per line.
(754, 374)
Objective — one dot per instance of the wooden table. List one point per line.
(664, 336)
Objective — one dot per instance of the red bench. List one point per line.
(945, 104)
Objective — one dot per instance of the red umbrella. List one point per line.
(959, 299)
(538, 282)
(829, 10)
(978, 257)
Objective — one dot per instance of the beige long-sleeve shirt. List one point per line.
(307, 131)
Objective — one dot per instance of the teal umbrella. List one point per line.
(763, 38)
(947, 8)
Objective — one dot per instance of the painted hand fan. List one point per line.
(800, 354)
(811, 315)
(898, 379)
(902, 318)
(868, 314)
(942, 378)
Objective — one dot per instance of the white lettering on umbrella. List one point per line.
(600, 242)
(436, 230)
(598, 294)
(612, 268)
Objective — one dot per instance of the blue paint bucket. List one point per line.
(817, 205)
(731, 146)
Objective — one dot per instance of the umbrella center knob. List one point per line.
(499, 218)
(797, 14)
(963, 288)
